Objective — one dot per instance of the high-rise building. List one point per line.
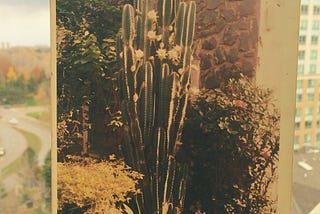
(307, 120)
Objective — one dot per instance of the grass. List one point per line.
(43, 116)
(33, 143)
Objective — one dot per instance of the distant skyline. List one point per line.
(25, 22)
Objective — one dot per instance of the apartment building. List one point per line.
(307, 120)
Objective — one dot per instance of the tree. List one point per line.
(86, 69)
(231, 142)
(11, 74)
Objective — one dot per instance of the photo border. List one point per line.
(277, 53)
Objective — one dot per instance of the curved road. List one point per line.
(15, 144)
(13, 141)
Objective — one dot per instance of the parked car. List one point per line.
(2, 151)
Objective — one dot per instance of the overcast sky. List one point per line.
(25, 22)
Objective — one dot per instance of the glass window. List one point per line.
(313, 54)
(310, 97)
(300, 69)
(304, 9)
(308, 124)
(299, 98)
(302, 40)
(315, 25)
(297, 125)
(312, 68)
(299, 84)
(316, 10)
(303, 24)
(307, 139)
(309, 111)
(311, 83)
(314, 40)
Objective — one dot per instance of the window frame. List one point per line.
(302, 40)
(304, 9)
(314, 40)
(313, 55)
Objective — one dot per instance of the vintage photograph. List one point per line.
(25, 162)
(159, 109)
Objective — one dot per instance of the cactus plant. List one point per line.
(154, 52)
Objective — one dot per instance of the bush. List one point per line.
(231, 142)
(46, 174)
(86, 185)
(86, 74)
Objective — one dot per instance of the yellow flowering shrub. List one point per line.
(95, 186)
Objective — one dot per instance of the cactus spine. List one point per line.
(154, 52)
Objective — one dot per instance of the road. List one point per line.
(306, 183)
(13, 141)
(15, 144)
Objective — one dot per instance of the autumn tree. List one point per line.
(11, 74)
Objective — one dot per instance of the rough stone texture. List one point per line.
(247, 7)
(209, 44)
(233, 55)
(230, 36)
(220, 55)
(205, 62)
(247, 68)
(244, 41)
(213, 4)
(228, 15)
(227, 31)
(207, 18)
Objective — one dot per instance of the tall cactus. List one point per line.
(154, 52)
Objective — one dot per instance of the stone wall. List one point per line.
(226, 39)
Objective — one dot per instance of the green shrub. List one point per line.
(231, 141)
(86, 73)
(46, 173)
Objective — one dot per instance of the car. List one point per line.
(2, 151)
(13, 121)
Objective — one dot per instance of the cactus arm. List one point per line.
(168, 186)
(128, 24)
(154, 81)
(166, 12)
(179, 33)
(149, 106)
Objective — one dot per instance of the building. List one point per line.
(307, 120)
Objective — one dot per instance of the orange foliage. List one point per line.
(11, 74)
(36, 72)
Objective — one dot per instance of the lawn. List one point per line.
(43, 116)
(33, 144)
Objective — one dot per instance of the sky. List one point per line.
(25, 22)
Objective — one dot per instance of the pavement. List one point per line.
(306, 182)
(15, 144)
(13, 141)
